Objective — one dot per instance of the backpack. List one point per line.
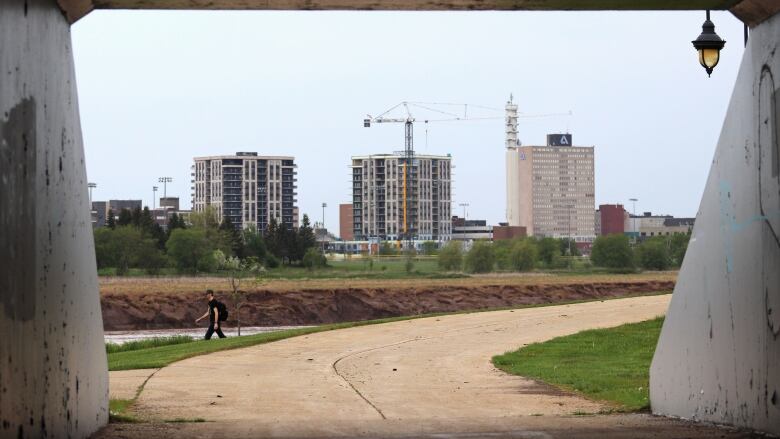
(223, 311)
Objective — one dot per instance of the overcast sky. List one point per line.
(158, 88)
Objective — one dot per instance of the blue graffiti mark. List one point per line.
(729, 225)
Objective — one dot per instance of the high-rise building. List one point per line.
(379, 183)
(247, 188)
(550, 188)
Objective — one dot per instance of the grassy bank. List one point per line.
(604, 364)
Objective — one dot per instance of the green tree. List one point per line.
(305, 239)
(568, 245)
(254, 245)
(191, 250)
(480, 259)
(502, 249)
(678, 245)
(612, 251)
(232, 235)
(451, 256)
(110, 220)
(523, 255)
(125, 218)
(549, 251)
(653, 254)
(206, 219)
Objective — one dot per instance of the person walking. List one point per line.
(217, 312)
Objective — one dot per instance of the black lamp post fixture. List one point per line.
(709, 45)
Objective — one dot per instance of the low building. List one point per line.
(505, 231)
(470, 230)
(648, 225)
(99, 213)
(172, 202)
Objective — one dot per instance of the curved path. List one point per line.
(416, 377)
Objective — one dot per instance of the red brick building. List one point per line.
(345, 222)
(612, 218)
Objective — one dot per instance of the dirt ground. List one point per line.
(429, 378)
(163, 303)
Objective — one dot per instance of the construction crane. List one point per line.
(408, 160)
(408, 157)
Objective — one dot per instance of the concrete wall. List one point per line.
(718, 358)
(53, 379)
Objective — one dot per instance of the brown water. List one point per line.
(120, 337)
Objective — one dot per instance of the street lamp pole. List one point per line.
(91, 186)
(633, 220)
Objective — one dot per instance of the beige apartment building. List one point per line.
(247, 188)
(378, 186)
(550, 188)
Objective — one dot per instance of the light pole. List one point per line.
(464, 206)
(91, 186)
(633, 220)
(165, 181)
(154, 196)
(324, 205)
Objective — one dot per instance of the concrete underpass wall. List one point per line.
(718, 358)
(53, 378)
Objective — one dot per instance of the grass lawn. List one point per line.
(610, 365)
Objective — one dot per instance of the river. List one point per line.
(120, 337)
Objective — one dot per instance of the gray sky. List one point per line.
(158, 88)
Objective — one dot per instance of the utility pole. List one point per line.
(633, 220)
(165, 181)
(154, 196)
(91, 186)
(324, 205)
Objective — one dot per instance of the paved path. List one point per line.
(417, 377)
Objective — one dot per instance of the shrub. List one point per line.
(387, 249)
(429, 248)
(523, 255)
(549, 251)
(313, 258)
(612, 251)
(653, 254)
(480, 259)
(451, 256)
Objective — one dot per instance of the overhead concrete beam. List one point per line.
(754, 12)
(76, 9)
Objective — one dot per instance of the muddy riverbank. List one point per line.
(160, 308)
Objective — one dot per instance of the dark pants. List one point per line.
(211, 331)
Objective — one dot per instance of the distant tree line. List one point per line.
(135, 240)
(612, 252)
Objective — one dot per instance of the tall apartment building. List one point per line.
(247, 188)
(550, 189)
(378, 185)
